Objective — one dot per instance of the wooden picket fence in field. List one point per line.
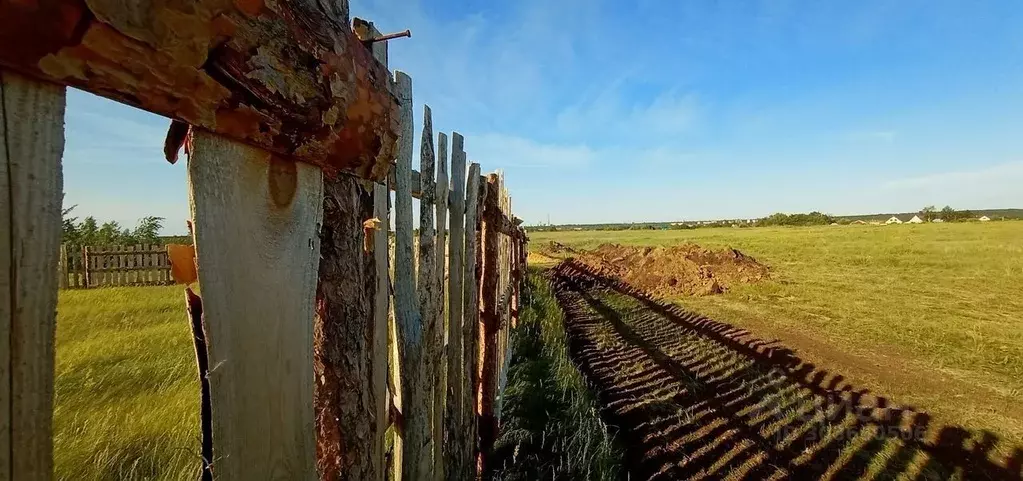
(310, 344)
(112, 266)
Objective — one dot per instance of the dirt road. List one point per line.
(692, 398)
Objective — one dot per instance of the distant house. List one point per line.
(984, 218)
(893, 220)
(859, 222)
(937, 220)
(834, 223)
(915, 220)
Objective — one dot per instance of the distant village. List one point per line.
(926, 215)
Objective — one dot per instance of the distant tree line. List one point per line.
(813, 218)
(947, 214)
(89, 232)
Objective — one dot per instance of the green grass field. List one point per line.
(930, 315)
(127, 394)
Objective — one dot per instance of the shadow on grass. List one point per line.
(693, 398)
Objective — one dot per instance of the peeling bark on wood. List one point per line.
(490, 321)
(344, 337)
(291, 77)
(31, 181)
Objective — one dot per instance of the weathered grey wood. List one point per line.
(415, 397)
(428, 286)
(440, 464)
(291, 77)
(414, 182)
(506, 314)
(381, 306)
(63, 267)
(345, 401)
(256, 220)
(456, 262)
(470, 327)
(31, 184)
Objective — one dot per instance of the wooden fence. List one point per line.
(290, 204)
(116, 265)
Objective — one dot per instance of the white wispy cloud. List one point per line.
(996, 175)
(988, 187)
(613, 114)
(505, 150)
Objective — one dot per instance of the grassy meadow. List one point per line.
(127, 394)
(550, 426)
(929, 314)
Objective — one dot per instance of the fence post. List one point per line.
(490, 319)
(86, 261)
(31, 185)
(343, 333)
(256, 220)
(456, 243)
(63, 267)
(416, 401)
(381, 349)
(442, 412)
(429, 367)
(470, 327)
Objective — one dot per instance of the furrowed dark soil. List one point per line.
(693, 398)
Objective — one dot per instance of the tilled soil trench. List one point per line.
(692, 398)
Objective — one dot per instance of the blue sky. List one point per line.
(606, 111)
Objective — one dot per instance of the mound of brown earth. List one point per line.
(556, 249)
(686, 269)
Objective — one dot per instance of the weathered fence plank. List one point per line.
(415, 397)
(440, 465)
(256, 221)
(428, 287)
(455, 373)
(379, 226)
(490, 319)
(31, 185)
(345, 402)
(506, 307)
(381, 320)
(470, 327)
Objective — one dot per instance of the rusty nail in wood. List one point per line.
(406, 33)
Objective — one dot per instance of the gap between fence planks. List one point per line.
(255, 226)
(31, 184)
